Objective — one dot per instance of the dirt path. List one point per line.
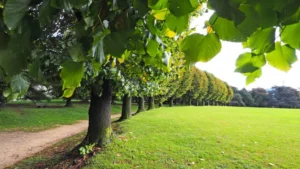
(15, 146)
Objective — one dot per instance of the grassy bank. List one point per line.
(27, 117)
(206, 137)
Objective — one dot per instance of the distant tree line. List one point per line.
(277, 96)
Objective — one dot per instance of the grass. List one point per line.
(206, 137)
(27, 117)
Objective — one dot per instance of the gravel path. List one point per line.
(15, 146)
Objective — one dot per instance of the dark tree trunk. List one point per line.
(69, 102)
(160, 104)
(171, 103)
(141, 103)
(113, 100)
(189, 102)
(150, 103)
(197, 103)
(99, 130)
(126, 107)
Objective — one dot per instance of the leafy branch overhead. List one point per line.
(108, 32)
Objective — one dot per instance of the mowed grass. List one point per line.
(206, 137)
(27, 117)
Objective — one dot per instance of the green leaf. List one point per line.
(12, 63)
(243, 59)
(177, 24)
(158, 4)
(141, 6)
(151, 24)
(197, 47)
(246, 68)
(259, 60)
(152, 47)
(80, 3)
(68, 92)
(253, 76)
(6, 92)
(114, 44)
(227, 10)
(89, 21)
(4, 39)
(181, 8)
(226, 29)
(268, 17)
(34, 68)
(19, 84)
(290, 35)
(76, 52)
(47, 12)
(160, 14)
(262, 40)
(282, 57)
(251, 22)
(289, 12)
(14, 12)
(248, 62)
(98, 46)
(71, 74)
(61, 4)
(286, 20)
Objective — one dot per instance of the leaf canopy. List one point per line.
(197, 47)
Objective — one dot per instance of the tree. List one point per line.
(237, 100)
(204, 86)
(260, 97)
(105, 30)
(196, 86)
(230, 94)
(212, 89)
(284, 97)
(185, 84)
(247, 98)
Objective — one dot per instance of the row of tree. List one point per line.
(277, 96)
(191, 87)
(118, 47)
(198, 87)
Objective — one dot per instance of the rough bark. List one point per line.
(150, 103)
(99, 129)
(69, 102)
(141, 103)
(126, 108)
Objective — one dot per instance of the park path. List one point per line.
(15, 146)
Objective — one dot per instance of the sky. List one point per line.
(223, 65)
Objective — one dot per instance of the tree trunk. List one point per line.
(197, 102)
(113, 100)
(171, 103)
(69, 102)
(160, 104)
(126, 107)
(99, 130)
(151, 103)
(189, 102)
(141, 103)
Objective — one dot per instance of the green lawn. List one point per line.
(25, 116)
(206, 137)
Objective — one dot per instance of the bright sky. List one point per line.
(223, 65)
